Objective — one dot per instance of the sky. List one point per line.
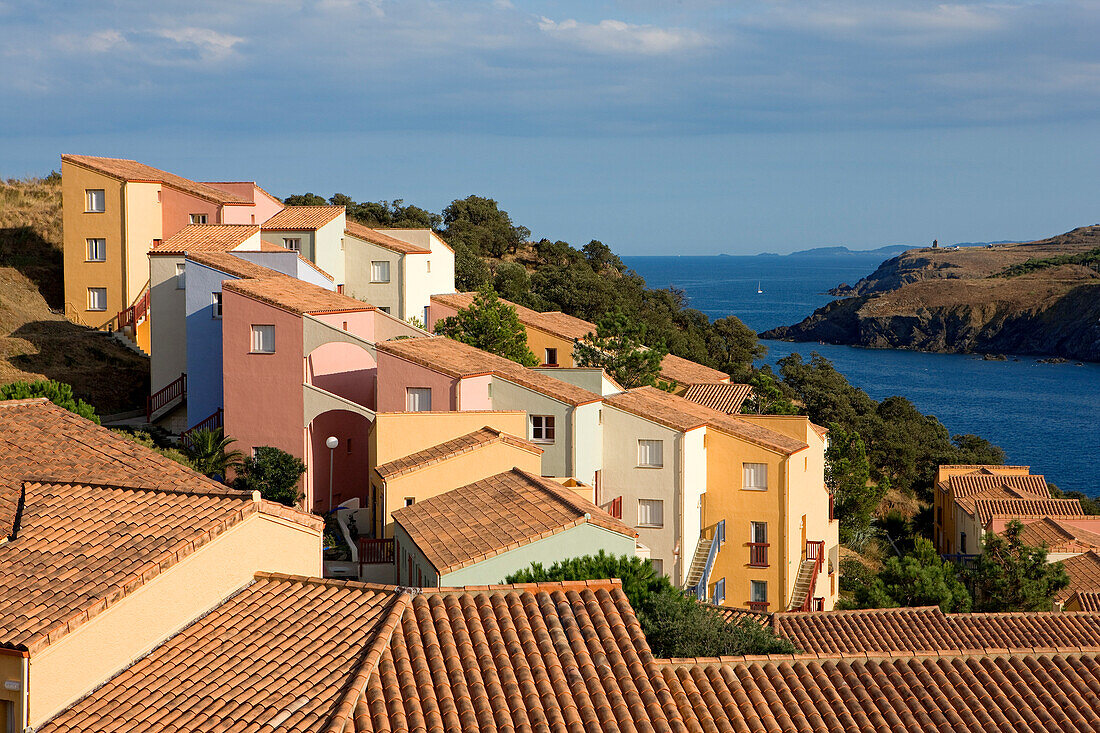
(689, 127)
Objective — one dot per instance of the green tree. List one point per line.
(143, 438)
(848, 476)
(619, 348)
(1011, 575)
(490, 325)
(675, 625)
(210, 454)
(59, 393)
(479, 225)
(920, 578)
(767, 398)
(305, 199)
(471, 272)
(272, 472)
(733, 347)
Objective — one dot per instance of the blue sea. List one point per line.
(1043, 415)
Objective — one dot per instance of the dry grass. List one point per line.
(35, 341)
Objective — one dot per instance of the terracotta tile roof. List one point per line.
(296, 296)
(456, 359)
(573, 329)
(927, 629)
(974, 484)
(1088, 600)
(233, 265)
(486, 436)
(359, 231)
(206, 238)
(721, 396)
(1084, 574)
(131, 170)
(300, 654)
(986, 509)
(302, 218)
(820, 430)
(1039, 691)
(1059, 535)
(101, 516)
(678, 413)
(499, 513)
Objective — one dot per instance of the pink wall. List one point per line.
(395, 374)
(437, 312)
(473, 393)
(351, 464)
(263, 392)
(262, 209)
(343, 369)
(176, 206)
(360, 323)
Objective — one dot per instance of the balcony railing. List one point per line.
(615, 507)
(815, 552)
(758, 554)
(213, 422)
(758, 606)
(174, 391)
(376, 552)
(134, 314)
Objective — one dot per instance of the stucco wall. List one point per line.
(167, 321)
(623, 477)
(395, 375)
(538, 341)
(143, 225)
(79, 226)
(358, 256)
(421, 281)
(287, 263)
(178, 206)
(308, 249)
(591, 378)
(474, 393)
(558, 458)
(204, 342)
(350, 460)
(97, 649)
(587, 442)
(347, 370)
(397, 434)
(263, 392)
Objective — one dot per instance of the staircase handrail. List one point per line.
(719, 536)
(212, 422)
(175, 389)
(819, 550)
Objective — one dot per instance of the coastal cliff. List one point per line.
(1040, 298)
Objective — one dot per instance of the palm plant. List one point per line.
(208, 451)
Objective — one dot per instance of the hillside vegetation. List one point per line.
(36, 341)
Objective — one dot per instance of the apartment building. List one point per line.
(116, 210)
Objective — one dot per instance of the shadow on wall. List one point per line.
(101, 371)
(350, 458)
(37, 259)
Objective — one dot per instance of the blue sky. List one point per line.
(691, 127)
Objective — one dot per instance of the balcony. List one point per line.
(758, 554)
(614, 507)
(758, 606)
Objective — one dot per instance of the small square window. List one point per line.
(651, 513)
(293, 243)
(758, 590)
(755, 477)
(97, 250)
(181, 275)
(198, 218)
(418, 399)
(651, 453)
(542, 428)
(551, 357)
(97, 299)
(380, 272)
(216, 303)
(658, 566)
(410, 500)
(95, 201)
(263, 339)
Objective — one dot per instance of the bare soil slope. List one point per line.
(36, 342)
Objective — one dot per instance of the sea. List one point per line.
(1046, 416)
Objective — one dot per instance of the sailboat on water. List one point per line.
(758, 290)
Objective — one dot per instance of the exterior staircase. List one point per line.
(698, 564)
(124, 338)
(803, 585)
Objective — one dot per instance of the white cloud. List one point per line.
(210, 44)
(616, 36)
(917, 23)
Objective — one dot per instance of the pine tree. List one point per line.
(490, 325)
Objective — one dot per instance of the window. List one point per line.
(551, 357)
(651, 453)
(97, 250)
(651, 513)
(758, 590)
(263, 339)
(181, 275)
(719, 592)
(216, 305)
(293, 243)
(384, 308)
(380, 272)
(429, 262)
(658, 567)
(410, 500)
(962, 543)
(96, 202)
(758, 544)
(755, 477)
(542, 428)
(198, 218)
(418, 399)
(97, 299)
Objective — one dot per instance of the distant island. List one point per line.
(1040, 298)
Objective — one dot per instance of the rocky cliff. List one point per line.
(1039, 298)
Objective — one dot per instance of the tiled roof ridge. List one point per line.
(881, 656)
(462, 445)
(163, 177)
(981, 465)
(561, 494)
(542, 586)
(226, 492)
(24, 401)
(239, 286)
(859, 611)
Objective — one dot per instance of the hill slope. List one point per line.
(36, 342)
(972, 300)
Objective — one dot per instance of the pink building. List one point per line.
(299, 366)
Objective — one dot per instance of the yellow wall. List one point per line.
(538, 341)
(96, 650)
(78, 227)
(13, 670)
(397, 434)
(143, 225)
(439, 478)
(948, 519)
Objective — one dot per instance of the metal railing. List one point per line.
(758, 554)
(376, 552)
(174, 391)
(213, 422)
(758, 606)
(815, 552)
(133, 315)
(718, 536)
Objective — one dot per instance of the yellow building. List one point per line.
(114, 211)
(109, 550)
